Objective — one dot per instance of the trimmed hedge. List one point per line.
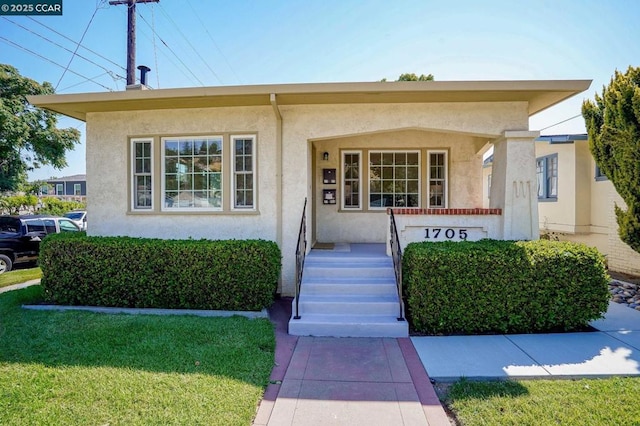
(239, 275)
(503, 286)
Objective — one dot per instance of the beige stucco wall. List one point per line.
(619, 255)
(463, 129)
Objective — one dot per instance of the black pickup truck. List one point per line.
(20, 237)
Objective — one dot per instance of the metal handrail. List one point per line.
(301, 252)
(396, 254)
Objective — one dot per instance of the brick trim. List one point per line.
(448, 212)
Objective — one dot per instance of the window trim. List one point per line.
(254, 172)
(165, 209)
(383, 151)
(445, 192)
(60, 185)
(77, 189)
(134, 175)
(545, 197)
(343, 205)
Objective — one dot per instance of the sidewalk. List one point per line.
(613, 350)
(337, 381)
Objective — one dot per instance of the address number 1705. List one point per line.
(445, 233)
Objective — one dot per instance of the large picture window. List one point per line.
(394, 179)
(547, 175)
(351, 198)
(192, 172)
(243, 172)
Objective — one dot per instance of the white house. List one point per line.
(238, 162)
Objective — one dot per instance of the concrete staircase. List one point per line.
(348, 294)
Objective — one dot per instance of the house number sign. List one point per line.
(439, 234)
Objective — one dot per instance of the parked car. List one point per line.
(20, 237)
(79, 217)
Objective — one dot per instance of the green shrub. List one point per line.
(151, 273)
(503, 286)
(55, 207)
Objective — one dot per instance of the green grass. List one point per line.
(94, 369)
(18, 276)
(588, 402)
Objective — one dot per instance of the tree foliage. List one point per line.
(29, 137)
(413, 77)
(613, 124)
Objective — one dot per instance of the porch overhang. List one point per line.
(539, 94)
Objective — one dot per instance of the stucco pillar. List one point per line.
(514, 185)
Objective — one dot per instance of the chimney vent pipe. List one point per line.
(143, 74)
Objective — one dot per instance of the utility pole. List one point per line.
(131, 35)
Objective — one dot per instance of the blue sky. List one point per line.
(203, 42)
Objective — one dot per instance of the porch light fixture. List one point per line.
(325, 156)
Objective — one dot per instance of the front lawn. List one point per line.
(18, 276)
(588, 402)
(93, 369)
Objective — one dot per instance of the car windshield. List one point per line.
(74, 215)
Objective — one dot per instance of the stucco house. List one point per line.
(575, 200)
(239, 162)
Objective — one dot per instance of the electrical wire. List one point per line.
(560, 122)
(155, 48)
(189, 43)
(62, 47)
(213, 41)
(73, 41)
(16, 45)
(77, 46)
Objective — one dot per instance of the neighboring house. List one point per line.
(69, 188)
(576, 201)
(239, 162)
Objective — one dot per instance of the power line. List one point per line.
(77, 46)
(60, 46)
(171, 50)
(155, 49)
(73, 41)
(189, 43)
(50, 61)
(213, 41)
(560, 122)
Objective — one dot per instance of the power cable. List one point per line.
(16, 45)
(73, 41)
(155, 48)
(214, 42)
(77, 46)
(189, 43)
(62, 47)
(560, 122)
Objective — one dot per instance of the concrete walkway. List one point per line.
(338, 381)
(613, 350)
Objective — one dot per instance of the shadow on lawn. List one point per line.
(234, 347)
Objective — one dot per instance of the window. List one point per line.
(243, 172)
(488, 186)
(59, 189)
(192, 173)
(77, 189)
(351, 194)
(599, 175)
(142, 191)
(67, 226)
(394, 179)
(547, 175)
(437, 179)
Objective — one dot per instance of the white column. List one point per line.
(514, 185)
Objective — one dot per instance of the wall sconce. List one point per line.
(325, 156)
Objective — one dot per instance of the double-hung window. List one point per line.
(394, 179)
(77, 189)
(192, 170)
(142, 191)
(243, 172)
(352, 195)
(437, 172)
(59, 188)
(547, 176)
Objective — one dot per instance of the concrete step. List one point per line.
(347, 270)
(349, 326)
(349, 304)
(350, 286)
